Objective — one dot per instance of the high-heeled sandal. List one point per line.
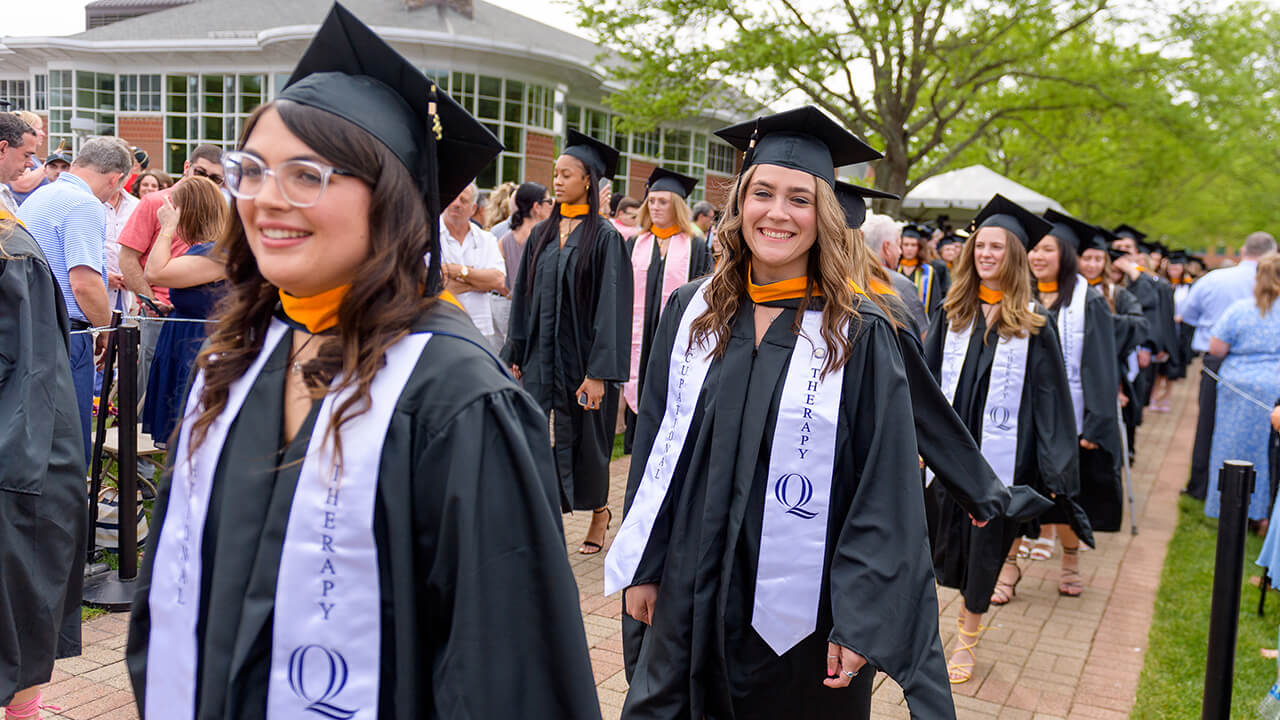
(590, 547)
(1001, 596)
(29, 709)
(1070, 583)
(1041, 549)
(964, 670)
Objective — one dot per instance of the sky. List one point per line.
(66, 17)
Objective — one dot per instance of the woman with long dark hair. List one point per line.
(774, 541)
(1087, 337)
(997, 358)
(361, 506)
(570, 335)
(665, 254)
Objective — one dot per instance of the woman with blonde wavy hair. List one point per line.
(998, 360)
(665, 254)
(770, 507)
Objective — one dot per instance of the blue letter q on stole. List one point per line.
(805, 488)
(333, 683)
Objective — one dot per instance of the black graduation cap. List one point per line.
(671, 181)
(1179, 257)
(4, 104)
(1116, 254)
(1083, 235)
(802, 139)
(915, 231)
(951, 238)
(1004, 213)
(853, 199)
(597, 156)
(1130, 231)
(351, 72)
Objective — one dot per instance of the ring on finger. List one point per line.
(833, 657)
(850, 674)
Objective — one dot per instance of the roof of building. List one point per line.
(131, 4)
(208, 19)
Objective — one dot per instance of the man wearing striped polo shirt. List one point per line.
(69, 222)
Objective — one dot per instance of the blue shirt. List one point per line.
(70, 225)
(1212, 294)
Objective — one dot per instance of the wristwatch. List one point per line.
(464, 273)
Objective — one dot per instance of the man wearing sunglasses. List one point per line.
(135, 247)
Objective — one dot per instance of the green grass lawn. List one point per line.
(1172, 684)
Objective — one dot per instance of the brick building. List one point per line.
(169, 74)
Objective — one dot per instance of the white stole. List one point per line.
(174, 598)
(331, 668)
(687, 370)
(999, 443)
(1071, 335)
(793, 539)
(327, 635)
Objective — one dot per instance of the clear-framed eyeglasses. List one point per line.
(300, 182)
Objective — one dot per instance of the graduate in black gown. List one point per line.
(927, 274)
(570, 336)
(666, 231)
(361, 504)
(1087, 337)
(1146, 287)
(1178, 270)
(43, 515)
(733, 534)
(949, 247)
(1009, 386)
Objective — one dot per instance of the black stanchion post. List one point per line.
(115, 592)
(95, 476)
(1235, 480)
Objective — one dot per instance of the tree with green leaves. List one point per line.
(923, 79)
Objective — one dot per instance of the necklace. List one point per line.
(294, 366)
(570, 225)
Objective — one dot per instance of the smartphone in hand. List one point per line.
(582, 399)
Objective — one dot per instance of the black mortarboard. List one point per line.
(671, 181)
(802, 139)
(1130, 231)
(1116, 254)
(141, 156)
(351, 72)
(599, 157)
(951, 238)
(915, 231)
(1083, 235)
(853, 199)
(1004, 213)
(1179, 257)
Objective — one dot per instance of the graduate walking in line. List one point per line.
(774, 538)
(665, 254)
(997, 357)
(570, 336)
(361, 504)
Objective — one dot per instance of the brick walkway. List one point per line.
(1042, 656)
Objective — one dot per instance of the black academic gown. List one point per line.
(470, 548)
(43, 514)
(1146, 288)
(701, 658)
(1132, 330)
(558, 341)
(1100, 489)
(969, 558)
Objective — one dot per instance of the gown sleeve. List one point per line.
(513, 352)
(1056, 442)
(950, 451)
(883, 596)
(609, 357)
(1101, 375)
(32, 348)
(1131, 324)
(700, 261)
(1148, 295)
(496, 500)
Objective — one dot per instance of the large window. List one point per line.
(15, 91)
(96, 100)
(61, 107)
(207, 109)
(140, 93)
(42, 93)
(720, 158)
(504, 106)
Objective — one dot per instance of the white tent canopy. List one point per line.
(962, 193)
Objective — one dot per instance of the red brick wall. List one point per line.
(539, 157)
(145, 132)
(638, 174)
(717, 189)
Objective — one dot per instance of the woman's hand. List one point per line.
(1088, 445)
(515, 372)
(639, 601)
(594, 390)
(168, 215)
(1275, 418)
(842, 665)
